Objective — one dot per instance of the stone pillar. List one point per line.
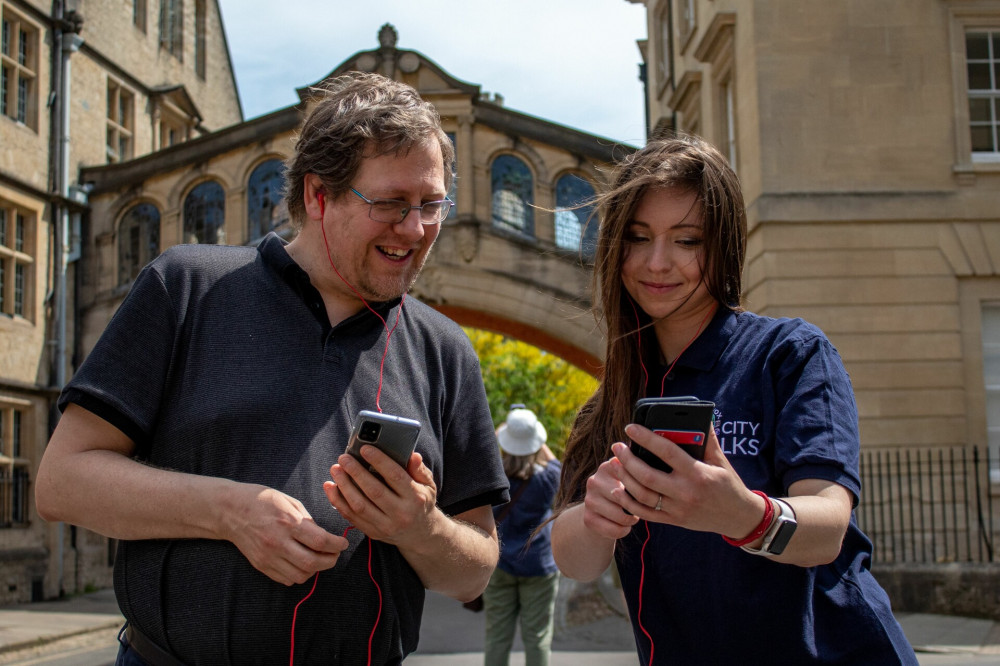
(466, 192)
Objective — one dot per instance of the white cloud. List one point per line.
(574, 62)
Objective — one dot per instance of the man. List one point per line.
(200, 429)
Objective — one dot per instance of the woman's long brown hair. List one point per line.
(686, 163)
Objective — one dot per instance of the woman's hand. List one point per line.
(707, 496)
(603, 509)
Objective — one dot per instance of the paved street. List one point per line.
(81, 632)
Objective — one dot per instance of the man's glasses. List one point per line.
(394, 211)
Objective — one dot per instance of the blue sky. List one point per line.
(574, 62)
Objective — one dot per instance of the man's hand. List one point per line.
(88, 477)
(398, 511)
(280, 539)
(453, 555)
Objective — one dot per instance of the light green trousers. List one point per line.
(531, 597)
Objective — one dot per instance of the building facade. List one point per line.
(866, 139)
(514, 256)
(83, 83)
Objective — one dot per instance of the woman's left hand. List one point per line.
(706, 496)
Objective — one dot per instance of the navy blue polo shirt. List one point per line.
(785, 411)
(222, 362)
(522, 554)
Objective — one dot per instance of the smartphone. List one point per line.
(684, 420)
(393, 435)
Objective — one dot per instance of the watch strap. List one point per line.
(783, 524)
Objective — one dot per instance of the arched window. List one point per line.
(513, 189)
(266, 209)
(138, 240)
(204, 214)
(575, 229)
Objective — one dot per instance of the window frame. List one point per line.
(687, 22)
(15, 465)
(19, 60)
(964, 17)
(147, 235)
(582, 216)
(120, 122)
(187, 230)
(526, 199)
(991, 389)
(171, 37)
(200, 38)
(992, 94)
(17, 261)
(277, 207)
(139, 14)
(664, 20)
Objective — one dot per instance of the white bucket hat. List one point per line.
(521, 434)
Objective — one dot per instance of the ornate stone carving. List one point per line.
(366, 62)
(467, 241)
(387, 36)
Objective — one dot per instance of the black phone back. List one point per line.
(684, 420)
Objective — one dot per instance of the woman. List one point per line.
(526, 579)
(702, 565)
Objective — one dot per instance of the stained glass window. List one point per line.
(513, 194)
(576, 229)
(266, 210)
(138, 240)
(204, 214)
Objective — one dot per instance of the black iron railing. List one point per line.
(931, 505)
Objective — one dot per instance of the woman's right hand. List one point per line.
(584, 535)
(603, 510)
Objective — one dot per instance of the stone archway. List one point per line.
(484, 278)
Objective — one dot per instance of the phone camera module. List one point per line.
(369, 431)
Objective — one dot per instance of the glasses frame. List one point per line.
(405, 209)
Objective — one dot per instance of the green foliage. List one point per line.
(516, 372)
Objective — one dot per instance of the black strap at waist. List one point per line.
(150, 652)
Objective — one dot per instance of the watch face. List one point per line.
(786, 528)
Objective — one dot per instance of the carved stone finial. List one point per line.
(387, 36)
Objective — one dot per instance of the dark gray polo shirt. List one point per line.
(222, 362)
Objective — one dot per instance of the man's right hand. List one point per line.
(280, 539)
(87, 477)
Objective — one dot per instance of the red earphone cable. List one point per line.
(378, 616)
(388, 331)
(642, 577)
(642, 552)
(378, 394)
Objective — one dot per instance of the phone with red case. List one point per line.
(684, 420)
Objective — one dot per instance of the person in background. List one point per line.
(526, 579)
(752, 556)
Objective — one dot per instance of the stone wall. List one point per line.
(970, 589)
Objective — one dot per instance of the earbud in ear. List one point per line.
(322, 203)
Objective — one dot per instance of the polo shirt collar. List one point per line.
(707, 348)
(275, 256)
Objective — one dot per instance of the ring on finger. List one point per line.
(659, 504)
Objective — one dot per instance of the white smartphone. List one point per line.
(393, 435)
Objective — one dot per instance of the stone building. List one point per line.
(513, 257)
(84, 83)
(866, 138)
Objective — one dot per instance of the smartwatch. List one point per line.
(778, 534)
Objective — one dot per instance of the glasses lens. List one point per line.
(388, 211)
(430, 212)
(438, 213)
